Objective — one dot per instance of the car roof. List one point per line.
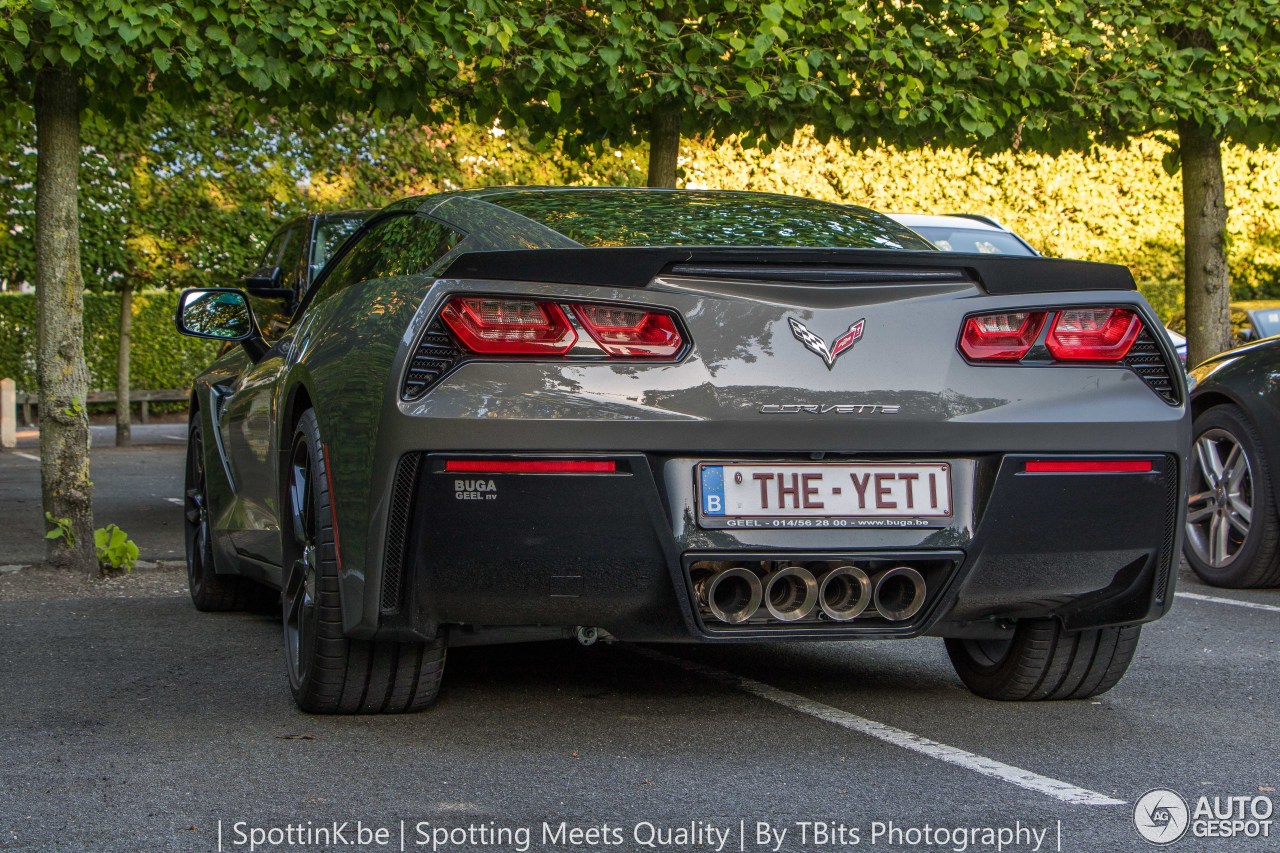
(568, 217)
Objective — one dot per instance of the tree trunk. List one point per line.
(64, 420)
(124, 435)
(1204, 216)
(664, 145)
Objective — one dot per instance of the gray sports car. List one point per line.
(663, 416)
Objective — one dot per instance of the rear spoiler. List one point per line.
(637, 267)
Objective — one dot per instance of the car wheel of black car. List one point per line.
(1043, 661)
(330, 673)
(1233, 535)
(210, 591)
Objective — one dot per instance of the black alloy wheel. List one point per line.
(301, 612)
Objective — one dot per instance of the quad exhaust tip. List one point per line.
(732, 595)
(790, 593)
(845, 593)
(899, 593)
(833, 591)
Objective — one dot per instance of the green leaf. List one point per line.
(1171, 162)
(70, 53)
(802, 68)
(610, 55)
(553, 101)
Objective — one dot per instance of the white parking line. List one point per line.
(177, 501)
(898, 737)
(26, 456)
(176, 437)
(1195, 596)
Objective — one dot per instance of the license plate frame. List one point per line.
(935, 509)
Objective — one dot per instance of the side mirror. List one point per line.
(263, 278)
(265, 283)
(219, 313)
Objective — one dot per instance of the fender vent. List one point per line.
(402, 491)
(1147, 360)
(431, 360)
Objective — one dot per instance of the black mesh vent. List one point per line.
(1167, 557)
(434, 356)
(1146, 359)
(398, 531)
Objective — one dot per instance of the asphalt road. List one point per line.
(137, 488)
(140, 724)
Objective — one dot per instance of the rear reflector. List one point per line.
(1088, 466)
(1001, 337)
(1093, 334)
(631, 332)
(530, 466)
(491, 326)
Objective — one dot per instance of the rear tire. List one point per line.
(211, 591)
(1044, 661)
(330, 673)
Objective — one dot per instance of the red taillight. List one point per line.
(530, 466)
(1088, 466)
(631, 332)
(1001, 337)
(1093, 334)
(493, 326)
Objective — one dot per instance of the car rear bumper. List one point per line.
(615, 550)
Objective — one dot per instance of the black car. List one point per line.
(1233, 533)
(713, 417)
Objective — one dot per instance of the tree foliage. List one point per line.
(332, 53)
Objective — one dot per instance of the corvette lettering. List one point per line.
(830, 409)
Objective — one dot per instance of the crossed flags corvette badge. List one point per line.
(818, 346)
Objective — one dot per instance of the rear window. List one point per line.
(602, 218)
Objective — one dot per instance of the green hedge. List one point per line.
(1111, 204)
(160, 358)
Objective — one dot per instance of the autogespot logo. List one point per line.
(1161, 816)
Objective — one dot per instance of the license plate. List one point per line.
(821, 495)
